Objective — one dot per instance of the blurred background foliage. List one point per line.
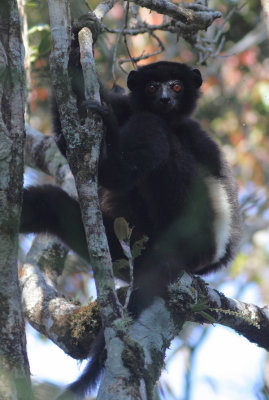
(233, 108)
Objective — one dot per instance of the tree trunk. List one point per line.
(14, 368)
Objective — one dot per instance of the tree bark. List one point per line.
(15, 376)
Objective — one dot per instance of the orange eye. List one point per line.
(177, 87)
(151, 89)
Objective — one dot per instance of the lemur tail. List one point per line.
(91, 374)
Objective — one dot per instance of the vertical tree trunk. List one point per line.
(14, 369)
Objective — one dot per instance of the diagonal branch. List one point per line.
(69, 325)
(193, 15)
(42, 153)
(103, 8)
(190, 299)
(191, 296)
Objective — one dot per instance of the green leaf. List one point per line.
(32, 3)
(208, 317)
(200, 306)
(44, 45)
(33, 53)
(121, 229)
(139, 246)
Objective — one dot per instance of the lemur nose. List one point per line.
(165, 100)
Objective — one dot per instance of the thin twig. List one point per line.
(144, 56)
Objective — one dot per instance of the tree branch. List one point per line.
(103, 8)
(83, 147)
(70, 326)
(186, 21)
(196, 16)
(191, 296)
(74, 328)
(41, 152)
(80, 137)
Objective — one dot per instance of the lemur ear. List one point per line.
(131, 80)
(197, 77)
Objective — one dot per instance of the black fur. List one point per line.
(90, 377)
(50, 209)
(156, 169)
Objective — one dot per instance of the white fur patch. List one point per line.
(223, 215)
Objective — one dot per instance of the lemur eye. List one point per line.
(177, 87)
(151, 89)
